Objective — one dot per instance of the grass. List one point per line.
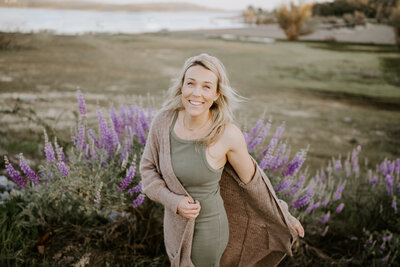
(331, 96)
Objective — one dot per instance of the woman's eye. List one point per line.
(189, 83)
(207, 87)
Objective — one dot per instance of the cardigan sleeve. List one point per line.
(153, 184)
(256, 190)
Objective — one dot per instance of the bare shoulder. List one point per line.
(233, 136)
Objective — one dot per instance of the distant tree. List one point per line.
(291, 18)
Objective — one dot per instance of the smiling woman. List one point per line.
(192, 144)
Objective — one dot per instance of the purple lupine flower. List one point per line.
(143, 120)
(140, 133)
(373, 181)
(383, 246)
(383, 167)
(124, 119)
(118, 126)
(283, 186)
(139, 200)
(135, 189)
(128, 179)
(60, 153)
(340, 208)
(81, 104)
(397, 166)
(257, 140)
(274, 141)
(394, 205)
(91, 134)
(389, 179)
(323, 176)
(390, 167)
(294, 165)
(387, 238)
(49, 151)
(297, 186)
(15, 176)
(27, 170)
(312, 207)
(253, 132)
(347, 167)
(304, 200)
(326, 217)
(63, 168)
(325, 202)
(81, 137)
(338, 193)
(338, 165)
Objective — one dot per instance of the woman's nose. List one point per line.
(197, 91)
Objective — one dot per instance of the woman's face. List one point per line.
(199, 90)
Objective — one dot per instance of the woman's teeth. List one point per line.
(195, 103)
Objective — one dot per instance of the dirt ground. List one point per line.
(330, 97)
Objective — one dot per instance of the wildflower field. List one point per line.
(75, 195)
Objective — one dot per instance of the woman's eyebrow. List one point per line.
(195, 80)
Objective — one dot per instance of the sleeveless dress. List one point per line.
(211, 230)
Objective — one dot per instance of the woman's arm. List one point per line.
(153, 184)
(237, 154)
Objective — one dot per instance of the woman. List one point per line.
(183, 171)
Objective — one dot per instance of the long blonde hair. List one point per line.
(221, 109)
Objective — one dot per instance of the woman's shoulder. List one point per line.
(232, 134)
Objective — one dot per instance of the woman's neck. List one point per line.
(195, 122)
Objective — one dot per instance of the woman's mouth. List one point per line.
(196, 103)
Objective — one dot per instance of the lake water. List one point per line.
(71, 22)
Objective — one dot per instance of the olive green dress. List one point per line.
(211, 231)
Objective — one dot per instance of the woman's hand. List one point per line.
(187, 209)
(299, 228)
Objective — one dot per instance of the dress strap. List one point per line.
(174, 120)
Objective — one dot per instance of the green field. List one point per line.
(331, 96)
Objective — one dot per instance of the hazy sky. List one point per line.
(223, 4)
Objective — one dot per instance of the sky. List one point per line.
(222, 4)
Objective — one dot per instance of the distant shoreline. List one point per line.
(100, 7)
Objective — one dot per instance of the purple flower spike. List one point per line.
(17, 178)
(139, 200)
(312, 207)
(373, 181)
(387, 238)
(397, 166)
(294, 165)
(128, 179)
(283, 186)
(304, 200)
(394, 205)
(340, 208)
(27, 170)
(383, 246)
(81, 104)
(49, 151)
(389, 179)
(338, 193)
(338, 165)
(257, 140)
(136, 189)
(325, 219)
(253, 132)
(325, 202)
(63, 169)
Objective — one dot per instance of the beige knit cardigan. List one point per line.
(259, 222)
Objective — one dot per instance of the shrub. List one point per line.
(291, 19)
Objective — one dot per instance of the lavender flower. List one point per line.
(81, 104)
(338, 165)
(338, 193)
(140, 133)
(325, 202)
(304, 200)
(143, 120)
(63, 168)
(373, 181)
(283, 186)
(340, 208)
(257, 140)
(389, 179)
(48, 149)
(81, 137)
(17, 178)
(312, 207)
(325, 219)
(294, 165)
(118, 126)
(27, 170)
(59, 152)
(394, 205)
(91, 134)
(135, 189)
(297, 186)
(397, 166)
(254, 131)
(128, 179)
(139, 200)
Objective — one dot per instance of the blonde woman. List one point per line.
(197, 165)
